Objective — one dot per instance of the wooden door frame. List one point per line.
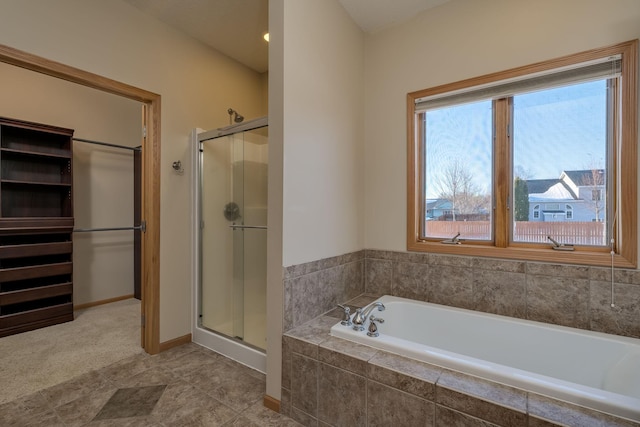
(150, 267)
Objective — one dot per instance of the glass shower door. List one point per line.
(233, 236)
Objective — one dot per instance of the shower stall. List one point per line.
(230, 229)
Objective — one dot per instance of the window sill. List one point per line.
(579, 257)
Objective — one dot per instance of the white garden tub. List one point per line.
(592, 369)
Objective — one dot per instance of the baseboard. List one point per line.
(176, 342)
(271, 403)
(101, 302)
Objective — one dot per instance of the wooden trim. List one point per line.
(101, 302)
(151, 214)
(176, 342)
(271, 403)
(42, 65)
(578, 257)
(151, 174)
(628, 205)
(626, 172)
(501, 176)
(413, 178)
(538, 67)
(137, 218)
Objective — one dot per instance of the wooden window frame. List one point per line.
(625, 161)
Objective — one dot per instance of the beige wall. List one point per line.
(103, 177)
(315, 146)
(323, 129)
(458, 40)
(197, 85)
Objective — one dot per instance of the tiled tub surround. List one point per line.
(328, 381)
(567, 295)
(575, 296)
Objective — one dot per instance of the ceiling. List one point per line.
(376, 15)
(236, 27)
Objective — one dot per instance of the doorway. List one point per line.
(150, 194)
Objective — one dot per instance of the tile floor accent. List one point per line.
(185, 386)
(131, 402)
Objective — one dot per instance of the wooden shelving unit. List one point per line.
(36, 226)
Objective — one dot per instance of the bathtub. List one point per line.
(591, 369)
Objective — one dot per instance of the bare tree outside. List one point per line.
(522, 173)
(456, 183)
(595, 181)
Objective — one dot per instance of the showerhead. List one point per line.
(236, 117)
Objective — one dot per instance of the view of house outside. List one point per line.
(559, 185)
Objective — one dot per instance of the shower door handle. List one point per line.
(259, 227)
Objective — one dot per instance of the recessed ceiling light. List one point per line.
(266, 37)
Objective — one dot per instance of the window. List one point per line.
(528, 153)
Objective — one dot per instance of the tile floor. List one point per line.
(185, 386)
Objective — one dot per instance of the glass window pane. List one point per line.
(458, 171)
(560, 165)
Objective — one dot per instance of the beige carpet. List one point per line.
(98, 337)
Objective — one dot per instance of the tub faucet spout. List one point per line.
(362, 314)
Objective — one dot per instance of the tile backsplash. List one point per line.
(575, 296)
(316, 287)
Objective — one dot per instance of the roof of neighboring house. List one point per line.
(438, 204)
(541, 189)
(585, 177)
(539, 186)
(561, 188)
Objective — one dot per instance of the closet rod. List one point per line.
(87, 230)
(108, 144)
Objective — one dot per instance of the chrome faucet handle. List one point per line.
(376, 319)
(358, 320)
(346, 315)
(373, 328)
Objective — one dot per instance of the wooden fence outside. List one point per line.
(574, 233)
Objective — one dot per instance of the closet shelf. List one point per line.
(35, 271)
(36, 318)
(35, 183)
(35, 249)
(34, 294)
(35, 225)
(31, 153)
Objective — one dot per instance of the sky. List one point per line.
(554, 130)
